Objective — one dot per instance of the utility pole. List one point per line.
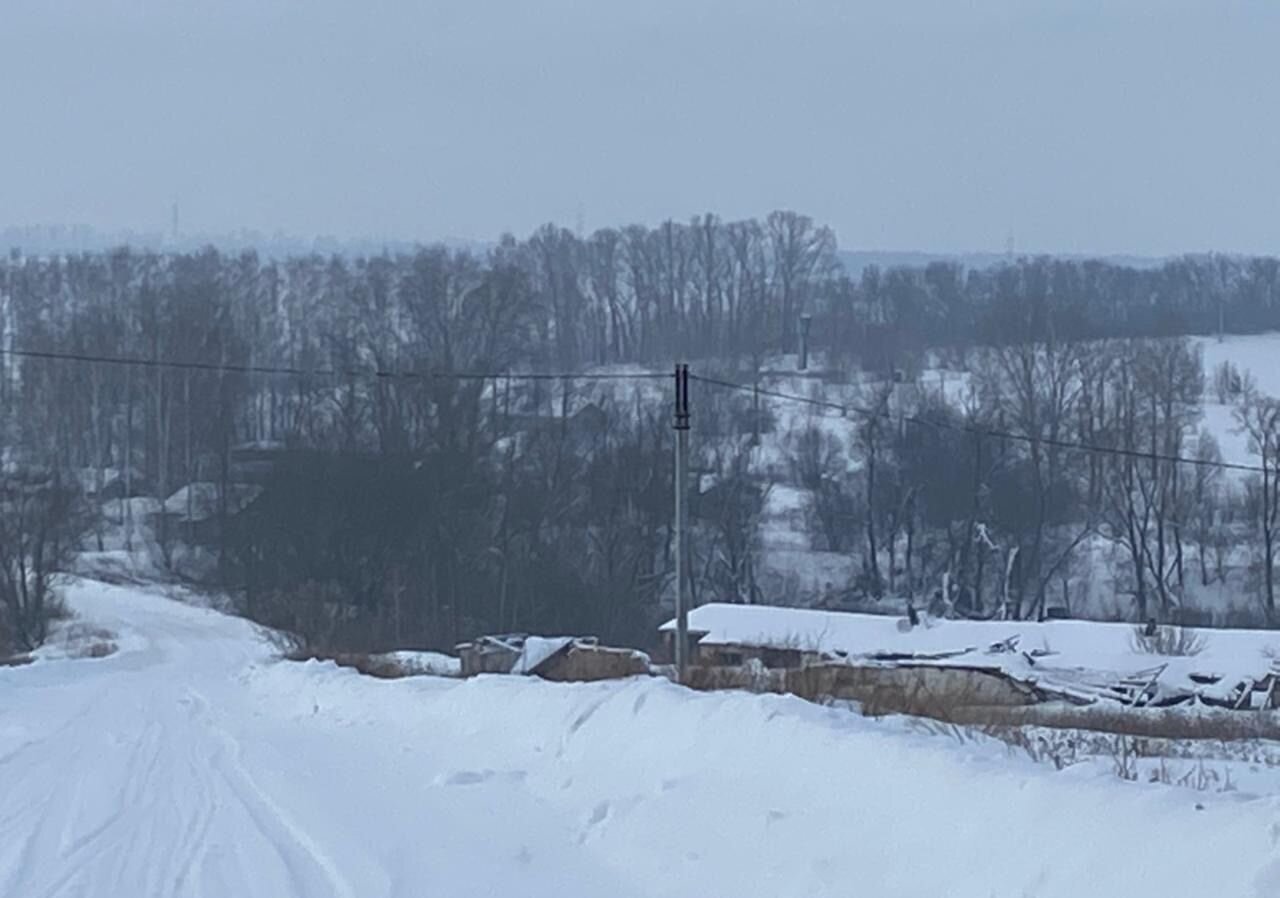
(681, 426)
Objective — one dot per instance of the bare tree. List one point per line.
(875, 437)
(39, 522)
(1259, 417)
(1156, 392)
(1035, 386)
(820, 466)
(802, 255)
(1205, 500)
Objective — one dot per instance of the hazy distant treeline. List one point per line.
(702, 289)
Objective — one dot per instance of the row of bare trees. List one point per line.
(516, 522)
(1053, 463)
(888, 318)
(705, 288)
(525, 522)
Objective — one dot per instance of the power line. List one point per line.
(993, 433)
(388, 374)
(293, 371)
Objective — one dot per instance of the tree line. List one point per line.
(1061, 475)
(427, 508)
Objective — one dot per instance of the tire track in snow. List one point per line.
(310, 868)
(190, 848)
(116, 798)
(111, 843)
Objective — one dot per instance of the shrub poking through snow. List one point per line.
(1167, 640)
(83, 641)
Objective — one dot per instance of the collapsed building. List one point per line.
(879, 659)
(558, 658)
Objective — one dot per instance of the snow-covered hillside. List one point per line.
(192, 764)
(1255, 355)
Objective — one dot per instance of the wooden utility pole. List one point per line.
(681, 425)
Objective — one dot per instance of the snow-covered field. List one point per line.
(192, 764)
(1256, 355)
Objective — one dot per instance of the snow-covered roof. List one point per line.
(1066, 651)
(531, 652)
(199, 501)
(537, 650)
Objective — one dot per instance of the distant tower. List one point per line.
(1009, 245)
(580, 223)
(175, 221)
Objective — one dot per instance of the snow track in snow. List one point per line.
(138, 790)
(149, 774)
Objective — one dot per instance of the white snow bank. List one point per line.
(430, 663)
(688, 794)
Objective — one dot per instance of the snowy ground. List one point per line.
(190, 763)
(1254, 354)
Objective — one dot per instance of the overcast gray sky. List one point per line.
(1142, 126)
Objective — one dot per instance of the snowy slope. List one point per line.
(190, 764)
